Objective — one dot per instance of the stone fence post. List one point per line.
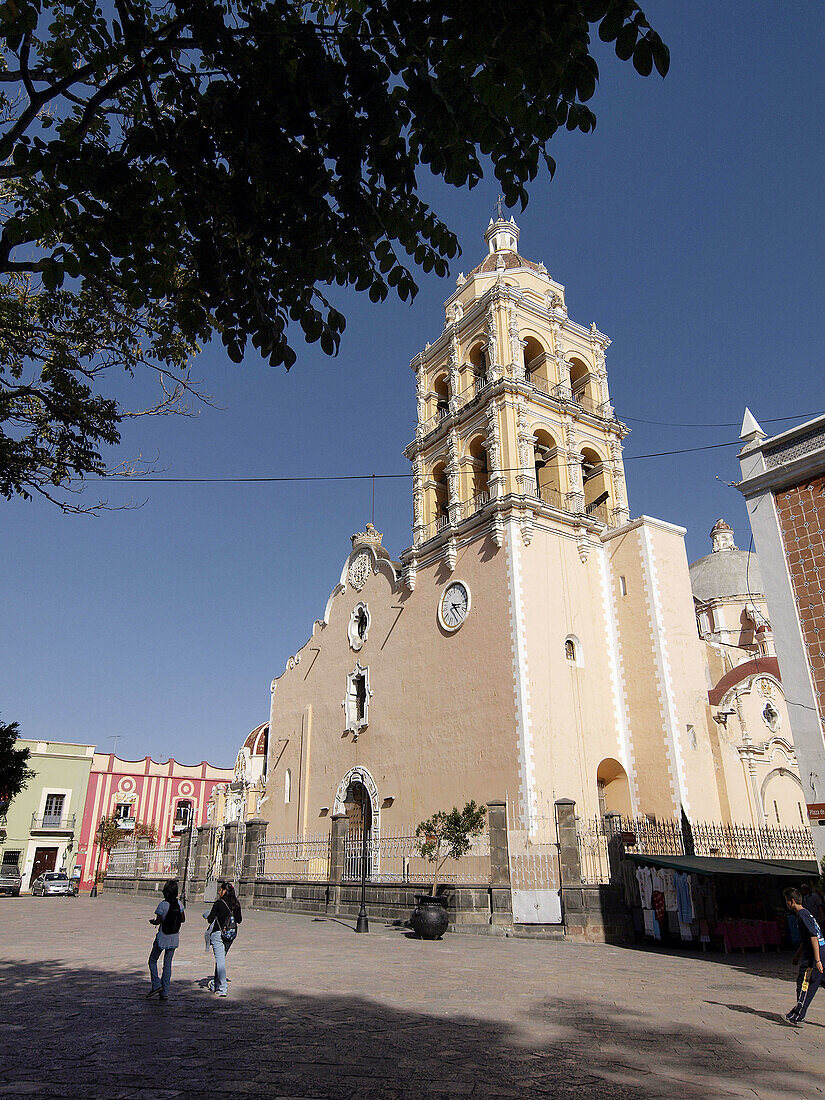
(142, 846)
(254, 836)
(501, 899)
(203, 851)
(337, 856)
(338, 839)
(569, 862)
(230, 848)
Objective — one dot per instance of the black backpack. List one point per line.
(229, 930)
(170, 925)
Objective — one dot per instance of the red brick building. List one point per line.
(783, 482)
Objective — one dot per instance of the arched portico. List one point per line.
(360, 777)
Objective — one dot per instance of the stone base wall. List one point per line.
(471, 908)
(115, 884)
(596, 914)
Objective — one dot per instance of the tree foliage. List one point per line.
(217, 165)
(449, 835)
(15, 773)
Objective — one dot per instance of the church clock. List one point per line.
(454, 605)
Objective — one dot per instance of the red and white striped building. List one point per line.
(168, 795)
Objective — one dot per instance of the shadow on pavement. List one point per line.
(71, 1032)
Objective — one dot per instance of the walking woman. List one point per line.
(224, 918)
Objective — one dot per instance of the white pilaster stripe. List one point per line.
(664, 677)
(521, 689)
(618, 686)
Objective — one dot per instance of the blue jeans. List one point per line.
(165, 981)
(216, 939)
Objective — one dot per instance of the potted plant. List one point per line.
(443, 836)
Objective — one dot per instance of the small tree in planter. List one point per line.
(449, 835)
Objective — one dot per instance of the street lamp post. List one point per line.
(363, 924)
(99, 854)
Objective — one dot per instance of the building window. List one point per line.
(288, 786)
(53, 809)
(183, 812)
(623, 586)
(11, 862)
(771, 717)
(357, 700)
(692, 741)
(573, 650)
(359, 625)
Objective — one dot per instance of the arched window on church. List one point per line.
(287, 786)
(546, 464)
(596, 486)
(478, 366)
(583, 386)
(479, 486)
(438, 500)
(536, 366)
(441, 387)
(570, 650)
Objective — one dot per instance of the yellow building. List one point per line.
(533, 643)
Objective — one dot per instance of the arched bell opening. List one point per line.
(547, 468)
(479, 479)
(536, 364)
(479, 366)
(596, 485)
(437, 498)
(583, 385)
(441, 389)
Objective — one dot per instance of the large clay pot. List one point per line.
(429, 918)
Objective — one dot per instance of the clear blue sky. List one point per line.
(689, 227)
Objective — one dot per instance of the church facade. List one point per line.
(534, 642)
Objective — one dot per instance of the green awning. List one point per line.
(717, 865)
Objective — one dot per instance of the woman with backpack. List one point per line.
(170, 916)
(224, 918)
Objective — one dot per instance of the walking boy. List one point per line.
(170, 916)
(810, 951)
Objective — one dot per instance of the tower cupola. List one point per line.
(502, 235)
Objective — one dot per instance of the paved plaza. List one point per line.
(315, 1010)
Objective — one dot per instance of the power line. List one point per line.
(152, 479)
(707, 424)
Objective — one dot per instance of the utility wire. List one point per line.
(707, 424)
(138, 478)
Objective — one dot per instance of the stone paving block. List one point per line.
(315, 1011)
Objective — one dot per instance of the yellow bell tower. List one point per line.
(514, 413)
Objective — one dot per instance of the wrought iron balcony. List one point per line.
(52, 823)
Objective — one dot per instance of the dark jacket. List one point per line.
(220, 912)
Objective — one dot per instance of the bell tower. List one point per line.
(514, 412)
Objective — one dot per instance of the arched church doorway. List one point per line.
(613, 788)
(357, 797)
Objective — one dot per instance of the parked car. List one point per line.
(10, 881)
(54, 883)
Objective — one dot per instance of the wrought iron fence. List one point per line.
(592, 837)
(123, 861)
(396, 857)
(161, 861)
(674, 838)
(295, 857)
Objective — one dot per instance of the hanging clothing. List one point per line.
(643, 877)
(659, 906)
(670, 889)
(684, 898)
